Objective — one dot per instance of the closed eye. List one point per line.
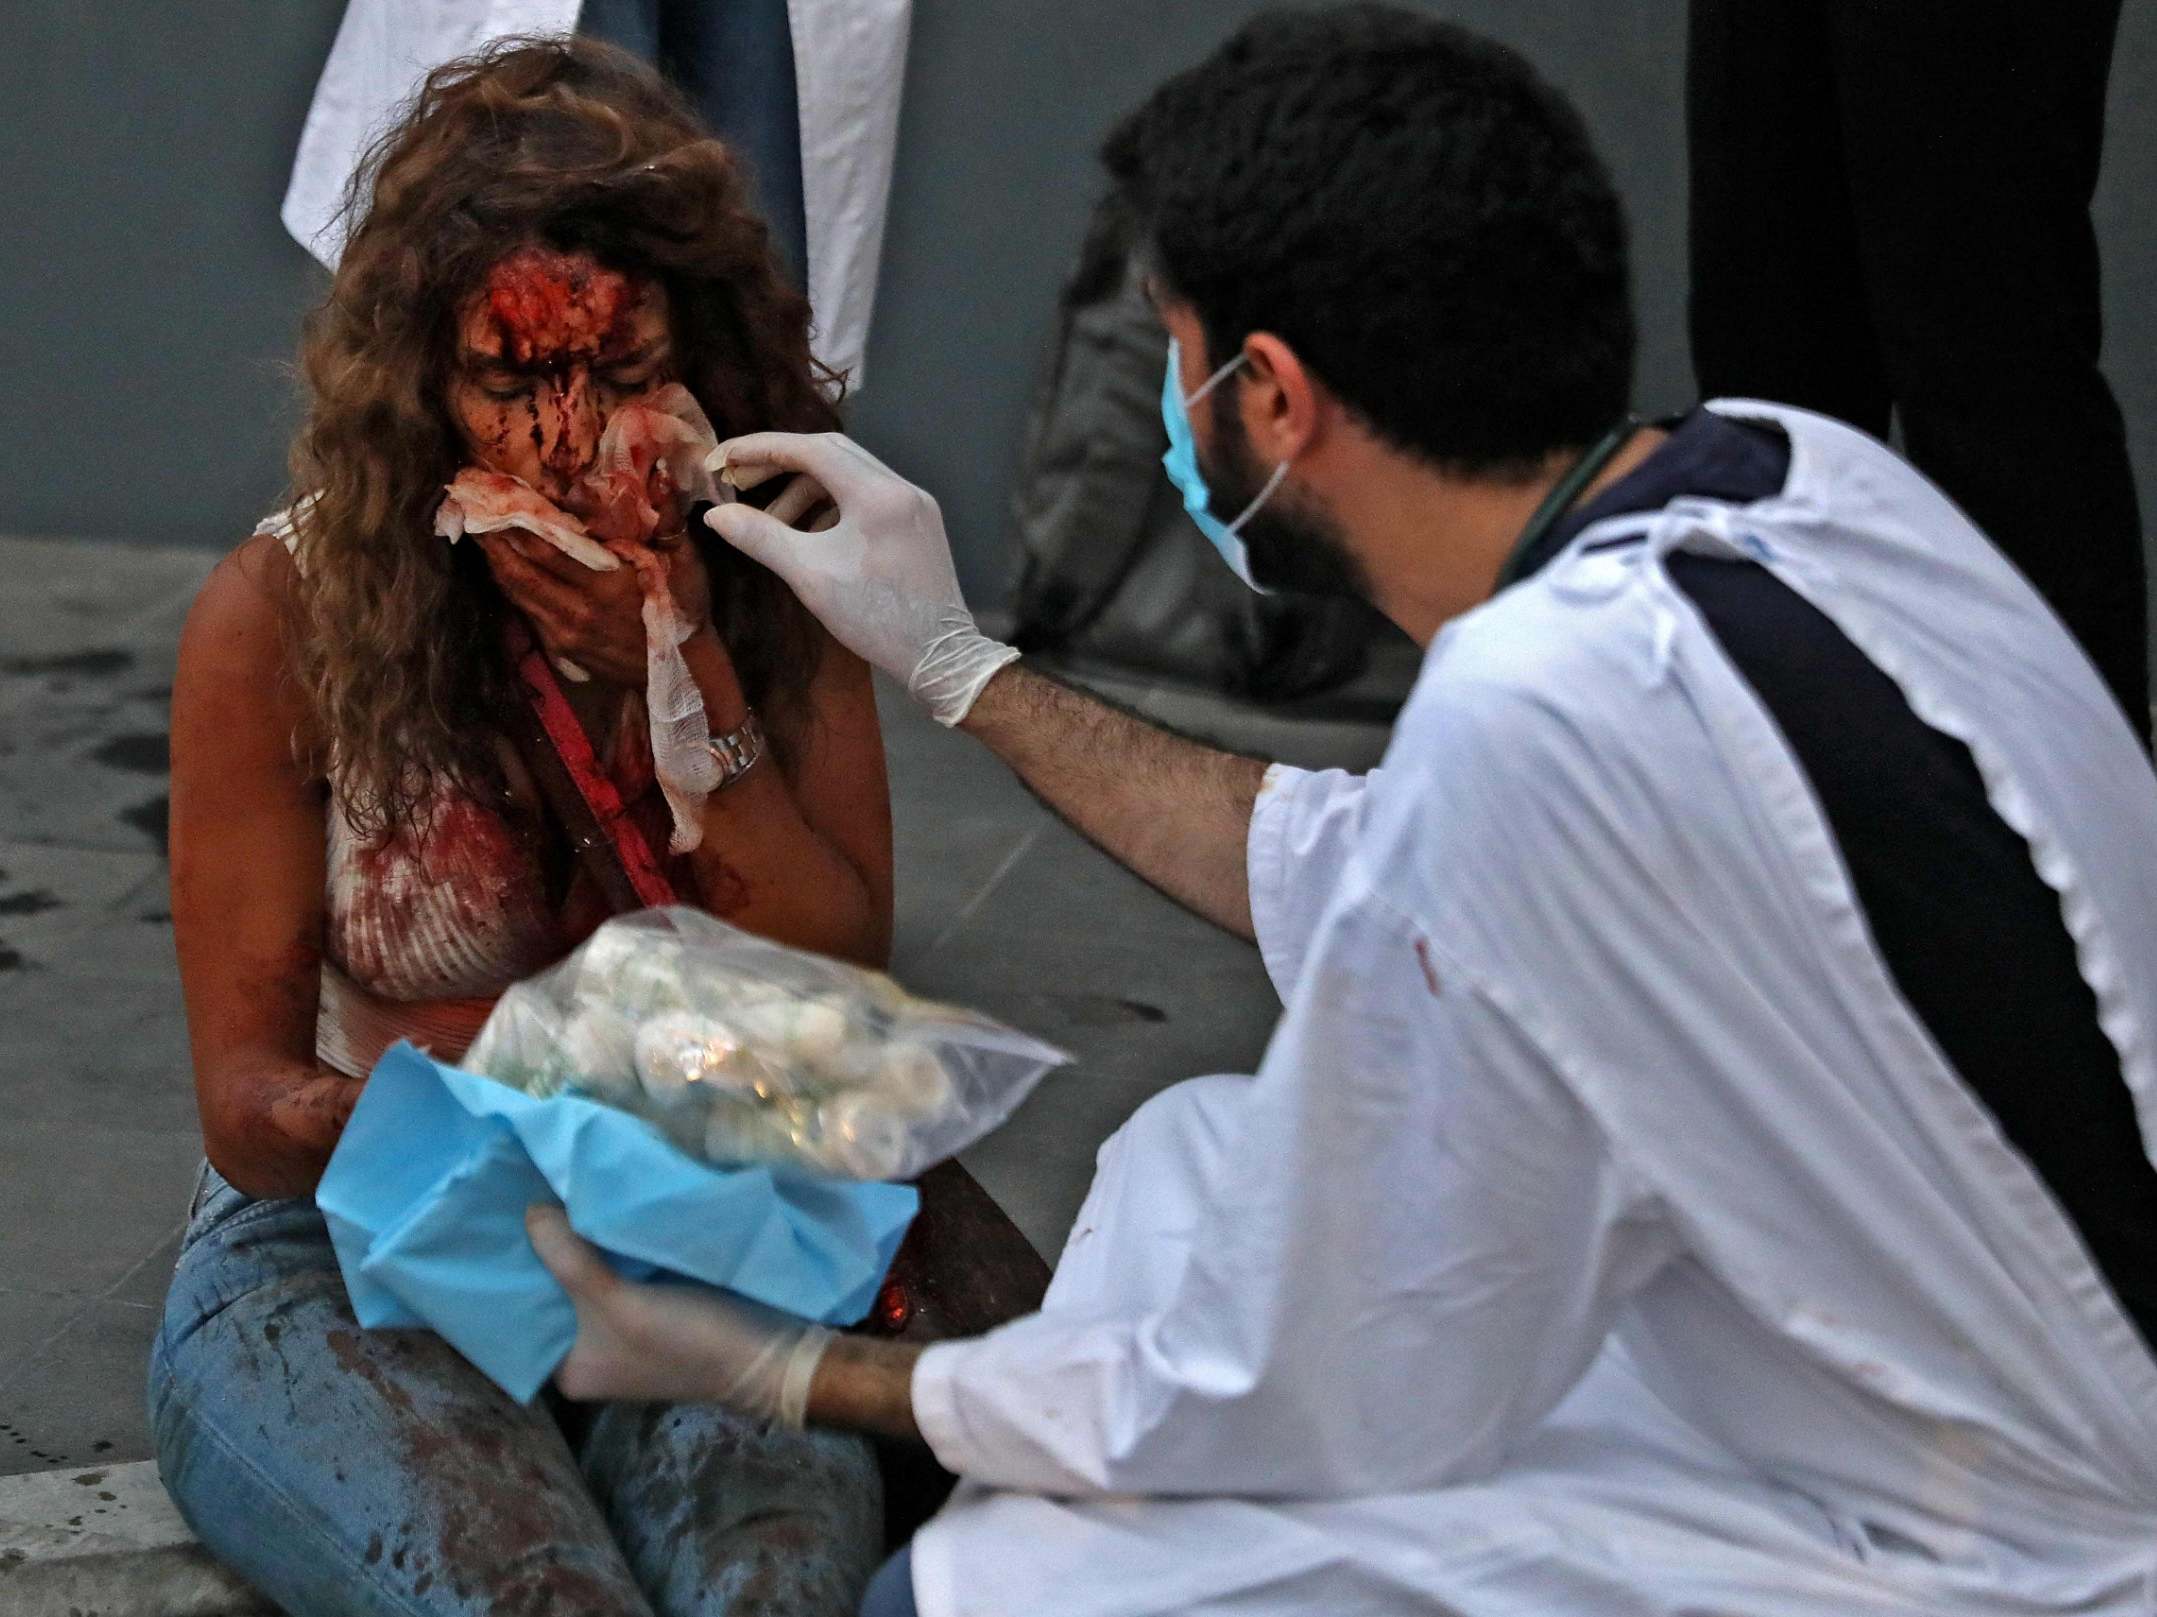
(634, 377)
(642, 371)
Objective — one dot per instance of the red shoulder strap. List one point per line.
(607, 837)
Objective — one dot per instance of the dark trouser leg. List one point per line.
(1778, 307)
(1972, 132)
(631, 24)
(722, 1517)
(736, 63)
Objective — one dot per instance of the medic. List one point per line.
(1705, 1163)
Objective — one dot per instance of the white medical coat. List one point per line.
(849, 64)
(1603, 1233)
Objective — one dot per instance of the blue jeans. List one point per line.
(340, 1470)
(891, 1591)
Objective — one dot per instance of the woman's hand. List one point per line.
(593, 619)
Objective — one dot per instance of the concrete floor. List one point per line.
(999, 906)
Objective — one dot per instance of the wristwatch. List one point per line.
(737, 752)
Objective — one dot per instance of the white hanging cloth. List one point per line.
(849, 66)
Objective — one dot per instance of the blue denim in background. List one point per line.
(734, 60)
(891, 1591)
(340, 1470)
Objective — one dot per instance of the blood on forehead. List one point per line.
(548, 307)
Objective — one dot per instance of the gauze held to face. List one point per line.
(651, 454)
(880, 578)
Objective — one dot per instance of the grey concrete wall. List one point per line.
(1005, 102)
(148, 297)
(997, 173)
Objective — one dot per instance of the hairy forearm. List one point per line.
(273, 1130)
(1176, 811)
(863, 1385)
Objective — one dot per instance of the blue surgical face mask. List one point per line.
(1182, 463)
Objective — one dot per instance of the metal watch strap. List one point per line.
(737, 752)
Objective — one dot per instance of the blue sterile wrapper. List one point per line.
(426, 1194)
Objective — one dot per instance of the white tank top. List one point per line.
(424, 931)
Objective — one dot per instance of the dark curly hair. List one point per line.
(1412, 210)
(580, 147)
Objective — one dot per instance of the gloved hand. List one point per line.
(880, 578)
(674, 1344)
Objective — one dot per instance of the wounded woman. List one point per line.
(552, 294)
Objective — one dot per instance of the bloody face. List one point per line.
(548, 348)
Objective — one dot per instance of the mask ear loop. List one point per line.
(1215, 380)
(1264, 494)
(1280, 471)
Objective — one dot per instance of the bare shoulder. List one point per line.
(235, 653)
(246, 597)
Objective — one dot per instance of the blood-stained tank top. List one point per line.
(424, 930)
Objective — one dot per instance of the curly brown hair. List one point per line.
(578, 146)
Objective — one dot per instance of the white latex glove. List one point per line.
(674, 1344)
(880, 578)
